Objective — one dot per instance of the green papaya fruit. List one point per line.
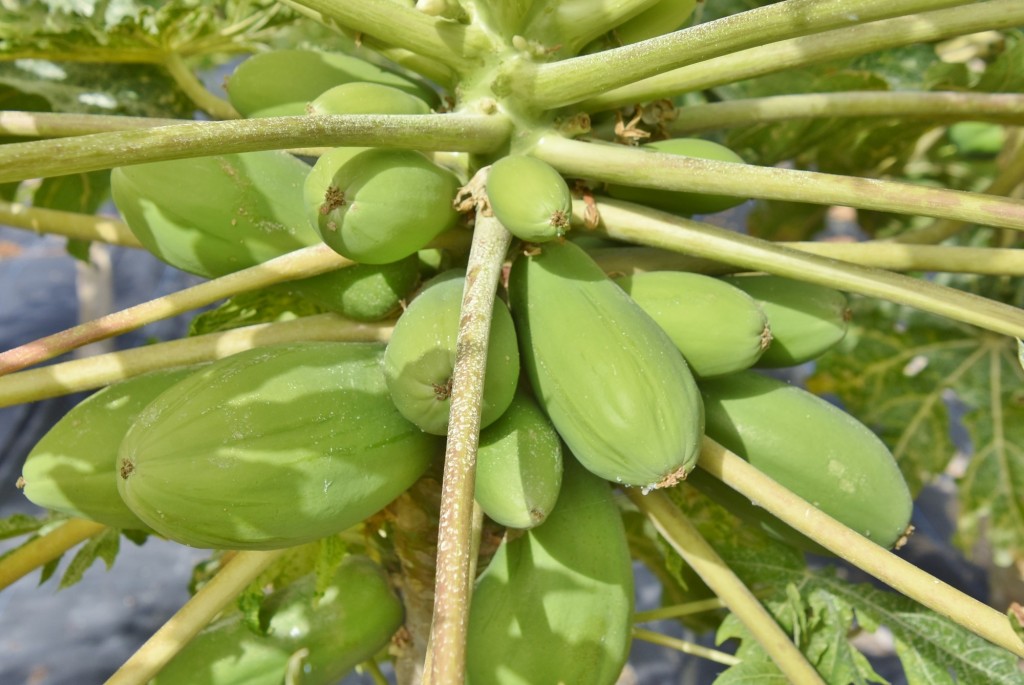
(271, 447)
(806, 319)
(718, 328)
(283, 82)
(811, 447)
(383, 205)
(529, 198)
(555, 605)
(616, 388)
(352, 620)
(519, 465)
(72, 468)
(420, 357)
(683, 203)
(663, 17)
(361, 97)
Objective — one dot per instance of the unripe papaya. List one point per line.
(283, 82)
(618, 391)
(529, 198)
(718, 328)
(351, 621)
(316, 187)
(360, 97)
(72, 468)
(683, 203)
(664, 17)
(811, 447)
(806, 319)
(519, 465)
(420, 357)
(271, 447)
(555, 604)
(383, 205)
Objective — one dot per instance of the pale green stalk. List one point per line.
(562, 83)
(632, 166)
(1006, 108)
(44, 549)
(88, 373)
(685, 647)
(860, 39)
(863, 553)
(216, 107)
(57, 157)
(685, 539)
(60, 124)
(307, 262)
(69, 224)
(208, 601)
(678, 610)
(636, 224)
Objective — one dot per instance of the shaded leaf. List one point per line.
(260, 306)
(104, 545)
(20, 524)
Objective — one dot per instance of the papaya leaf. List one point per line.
(48, 569)
(247, 309)
(20, 524)
(104, 545)
(1006, 72)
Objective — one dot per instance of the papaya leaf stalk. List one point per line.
(36, 553)
(69, 224)
(61, 124)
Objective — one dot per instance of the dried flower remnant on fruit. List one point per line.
(333, 198)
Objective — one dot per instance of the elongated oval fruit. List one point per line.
(362, 97)
(806, 319)
(555, 605)
(684, 203)
(618, 391)
(283, 82)
(813, 448)
(383, 205)
(519, 465)
(420, 357)
(271, 447)
(73, 467)
(718, 328)
(529, 198)
(353, 619)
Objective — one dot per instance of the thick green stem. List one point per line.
(213, 597)
(860, 39)
(1005, 108)
(45, 548)
(57, 157)
(633, 223)
(562, 83)
(685, 647)
(857, 549)
(635, 167)
(96, 371)
(704, 560)
(60, 125)
(447, 657)
(306, 262)
(216, 107)
(68, 224)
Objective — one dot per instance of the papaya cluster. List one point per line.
(592, 381)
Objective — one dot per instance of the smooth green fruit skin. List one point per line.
(682, 203)
(72, 468)
(664, 17)
(555, 605)
(806, 319)
(718, 328)
(320, 178)
(284, 82)
(529, 198)
(353, 620)
(519, 465)
(813, 448)
(386, 205)
(420, 357)
(271, 447)
(362, 97)
(616, 388)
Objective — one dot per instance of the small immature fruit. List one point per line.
(271, 447)
(612, 382)
(283, 82)
(383, 205)
(718, 328)
(529, 198)
(362, 292)
(681, 202)
(813, 448)
(361, 97)
(519, 465)
(420, 357)
(72, 469)
(806, 319)
(351, 621)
